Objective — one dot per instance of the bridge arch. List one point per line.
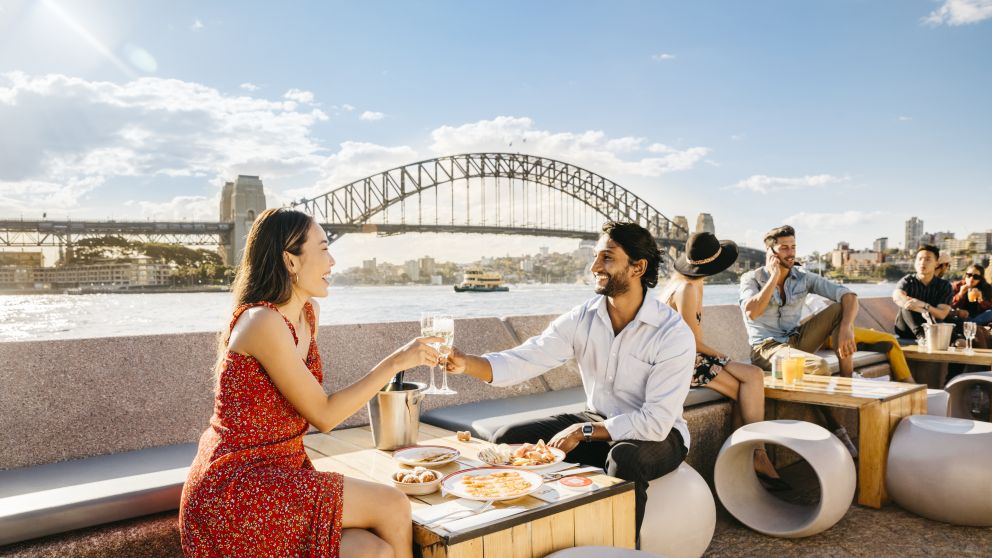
(357, 202)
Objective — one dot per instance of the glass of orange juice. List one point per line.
(792, 369)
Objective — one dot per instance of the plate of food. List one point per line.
(426, 456)
(522, 456)
(491, 483)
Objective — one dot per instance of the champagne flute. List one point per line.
(427, 330)
(444, 327)
(969, 334)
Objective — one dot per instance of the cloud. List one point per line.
(832, 221)
(248, 86)
(904, 118)
(299, 96)
(661, 57)
(348, 107)
(960, 12)
(371, 116)
(591, 149)
(65, 137)
(179, 208)
(353, 161)
(196, 25)
(769, 184)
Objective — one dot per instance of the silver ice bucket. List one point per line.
(394, 416)
(938, 336)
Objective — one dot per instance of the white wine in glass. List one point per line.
(444, 327)
(427, 330)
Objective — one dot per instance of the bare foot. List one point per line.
(764, 465)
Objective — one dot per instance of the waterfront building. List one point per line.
(369, 265)
(22, 259)
(881, 244)
(955, 246)
(862, 262)
(704, 223)
(981, 241)
(140, 272)
(240, 202)
(427, 266)
(914, 230)
(412, 269)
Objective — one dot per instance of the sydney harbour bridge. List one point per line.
(479, 193)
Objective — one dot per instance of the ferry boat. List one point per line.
(478, 281)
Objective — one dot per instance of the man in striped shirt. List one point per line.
(922, 292)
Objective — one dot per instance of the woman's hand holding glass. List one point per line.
(418, 352)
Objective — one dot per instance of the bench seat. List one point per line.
(53, 498)
(484, 418)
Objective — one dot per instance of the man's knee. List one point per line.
(640, 462)
(510, 434)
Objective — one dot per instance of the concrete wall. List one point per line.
(78, 398)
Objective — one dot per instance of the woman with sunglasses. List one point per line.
(973, 295)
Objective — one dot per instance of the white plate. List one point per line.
(414, 455)
(559, 457)
(451, 485)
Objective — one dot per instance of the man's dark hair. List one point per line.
(929, 248)
(777, 233)
(639, 244)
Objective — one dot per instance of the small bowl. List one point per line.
(418, 488)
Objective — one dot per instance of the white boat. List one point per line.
(478, 281)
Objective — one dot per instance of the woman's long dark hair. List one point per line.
(262, 275)
(983, 284)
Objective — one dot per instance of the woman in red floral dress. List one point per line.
(252, 490)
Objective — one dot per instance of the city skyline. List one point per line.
(839, 119)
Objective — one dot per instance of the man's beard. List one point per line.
(614, 286)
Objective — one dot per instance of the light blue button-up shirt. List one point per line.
(638, 379)
(781, 317)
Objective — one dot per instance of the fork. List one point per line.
(438, 521)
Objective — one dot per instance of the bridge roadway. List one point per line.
(17, 232)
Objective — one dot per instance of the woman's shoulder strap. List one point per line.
(241, 310)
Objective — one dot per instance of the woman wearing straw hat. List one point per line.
(704, 256)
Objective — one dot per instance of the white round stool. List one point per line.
(937, 401)
(742, 494)
(959, 390)
(938, 468)
(679, 516)
(600, 552)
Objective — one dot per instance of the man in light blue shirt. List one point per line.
(635, 355)
(771, 299)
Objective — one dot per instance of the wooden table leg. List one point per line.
(873, 445)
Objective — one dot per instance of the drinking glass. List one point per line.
(427, 330)
(444, 327)
(969, 334)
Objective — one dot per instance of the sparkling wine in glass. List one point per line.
(444, 327)
(427, 330)
(969, 334)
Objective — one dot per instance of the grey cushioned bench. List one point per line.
(53, 498)
(484, 418)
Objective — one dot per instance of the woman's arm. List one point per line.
(262, 333)
(689, 303)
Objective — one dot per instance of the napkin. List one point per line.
(465, 523)
(463, 520)
(433, 513)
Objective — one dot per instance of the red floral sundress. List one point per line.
(252, 490)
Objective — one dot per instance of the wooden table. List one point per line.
(977, 356)
(604, 517)
(880, 405)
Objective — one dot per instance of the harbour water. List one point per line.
(41, 317)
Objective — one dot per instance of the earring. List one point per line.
(296, 278)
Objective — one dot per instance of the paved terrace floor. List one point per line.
(890, 531)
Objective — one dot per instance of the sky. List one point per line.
(843, 118)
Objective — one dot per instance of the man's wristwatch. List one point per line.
(587, 432)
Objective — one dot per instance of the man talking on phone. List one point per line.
(771, 298)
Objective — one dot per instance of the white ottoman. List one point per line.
(959, 390)
(937, 400)
(680, 515)
(742, 494)
(938, 468)
(601, 552)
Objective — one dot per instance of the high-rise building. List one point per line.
(914, 230)
(880, 245)
(240, 202)
(704, 223)
(981, 241)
